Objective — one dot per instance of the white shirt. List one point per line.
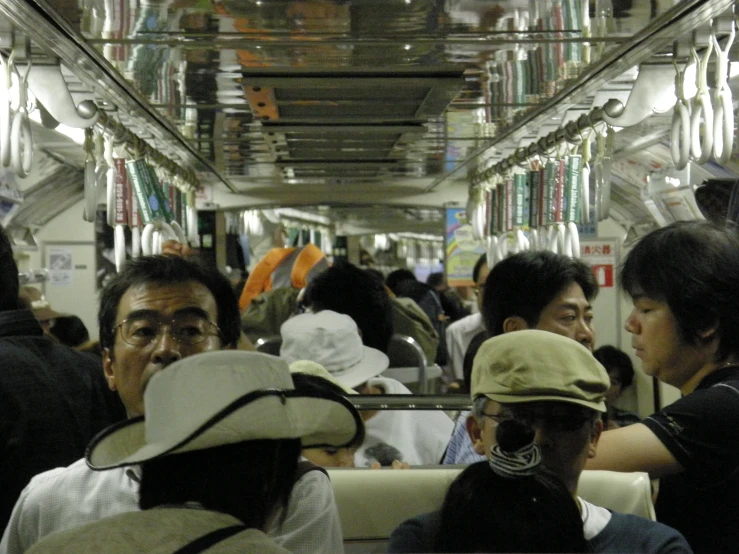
(416, 437)
(458, 337)
(65, 498)
(594, 518)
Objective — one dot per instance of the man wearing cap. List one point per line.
(158, 310)
(557, 387)
(333, 341)
(53, 399)
(531, 290)
(227, 410)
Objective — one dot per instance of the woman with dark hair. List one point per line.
(218, 455)
(509, 503)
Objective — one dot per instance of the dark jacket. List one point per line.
(53, 400)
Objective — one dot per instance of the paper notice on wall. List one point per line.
(602, 257)
(61, 267)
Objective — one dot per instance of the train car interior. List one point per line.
(392, 134)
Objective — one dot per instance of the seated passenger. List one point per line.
(333, 341)
(403, 284)
(156, 311)
(526, 508)
(410, 320)
(557, 387)
(621, 373)
(533, 290)
(218, 453)
(310, 377)
(346, 289)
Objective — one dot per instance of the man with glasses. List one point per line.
(158, 310)
(558, 388)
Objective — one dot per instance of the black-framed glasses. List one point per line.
(566, 422)
(186, 329)
(497, 418)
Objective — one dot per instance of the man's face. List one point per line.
(657, 340)
(128, 368)
(570, 315)
(565, 436)
(482, 277)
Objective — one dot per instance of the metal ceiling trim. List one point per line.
(660, 33)
(40, 22)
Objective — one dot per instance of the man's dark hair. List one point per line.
(482, 260)
(397, 277)
(249, 480)
(692, 266)
(346, 289)
(9, 287)
(524, 284)
(165, 270)
(70, 330)
(617, 360)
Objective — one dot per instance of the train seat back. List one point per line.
(372, 503)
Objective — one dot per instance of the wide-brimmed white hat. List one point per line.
(218, 398)
(333, 341)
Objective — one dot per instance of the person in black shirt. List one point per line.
(684, 283)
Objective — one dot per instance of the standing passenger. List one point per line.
(158, 310)
(53, 400)
(532, 290)
(460, 333)
(684, 282)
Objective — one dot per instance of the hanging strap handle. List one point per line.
(203, 543)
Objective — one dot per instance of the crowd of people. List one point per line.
(179, 437)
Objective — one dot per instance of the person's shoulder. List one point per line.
(468, 322)
(634, 533)
(414, 534)
(55, 480)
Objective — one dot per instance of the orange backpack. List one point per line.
(283, 267)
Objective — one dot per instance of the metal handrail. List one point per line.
(410, 402)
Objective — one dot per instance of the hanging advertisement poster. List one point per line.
(462, 250)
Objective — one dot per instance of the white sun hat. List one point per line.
(333, 341)
(218, 398)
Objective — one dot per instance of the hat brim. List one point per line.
(517, 399)
(373, 363)
(263, 414)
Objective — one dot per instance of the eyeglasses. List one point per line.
(189, 329)
(565, 422)
(497, 418)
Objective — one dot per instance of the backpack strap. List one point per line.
(260, 277)
(308, 257)
(206, 541)
(306, 466)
